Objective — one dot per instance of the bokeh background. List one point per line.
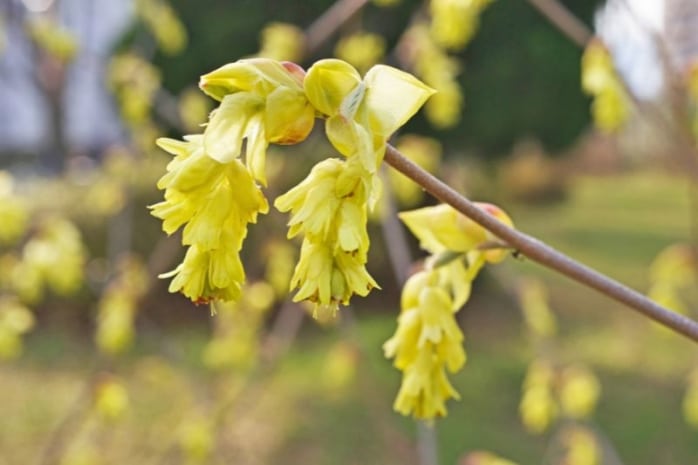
(99, 364)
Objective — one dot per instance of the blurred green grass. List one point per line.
(300, 414)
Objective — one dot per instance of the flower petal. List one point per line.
(393, 97)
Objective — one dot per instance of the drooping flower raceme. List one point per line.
(215, 201)
(209, 190)
(330, 207)
(428, 340)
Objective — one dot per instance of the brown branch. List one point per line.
(323, 27)
(565, 21)
(542, 253)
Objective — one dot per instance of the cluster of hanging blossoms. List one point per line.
(213, 188)
(215, 195)
(428, 340)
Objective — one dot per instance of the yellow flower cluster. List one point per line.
(362, 49)
(580, 447)
(118, 305)
(330, 207)
(53, 38)
(262, 101)
(53, 257)
(282, 41)
(162, 21)
(15, 320)
(454, 22)
(14, 212)
(572, 392)
(440, 71)
(216, 201)
(672, 271)
(210, 190)
(135, 82)
(610, 107)
(428, 341)
(539, 318)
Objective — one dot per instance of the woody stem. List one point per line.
(542, 253)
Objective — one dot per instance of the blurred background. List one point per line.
(588, 143)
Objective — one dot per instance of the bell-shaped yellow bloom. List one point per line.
(427, 342)
(441, 228)
(329, 208)
(216, 201)
(262, 102)
(362, 114)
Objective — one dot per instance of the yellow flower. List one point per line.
(362, 114)
(328, 277)
(329, 207)
(216, 201)
(361, 49)
(579, 392)
(262, 102)
(282, 41)
(426, 343)
(610, 107)
(538, 407)
(581, 447)
(537, 314)
(454, 22)
(443, 229)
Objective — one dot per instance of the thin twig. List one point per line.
(566, 22)
(323, 27)
(542, 253)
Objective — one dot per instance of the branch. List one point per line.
(323, 27)
(542, 253)
(565, 21)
